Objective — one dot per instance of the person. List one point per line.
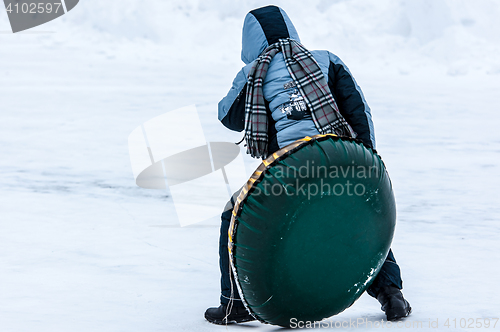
(285, 93)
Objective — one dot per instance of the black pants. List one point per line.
(388, 275)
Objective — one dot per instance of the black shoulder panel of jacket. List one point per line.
(235, 117)
(349, 101)
(272, 22)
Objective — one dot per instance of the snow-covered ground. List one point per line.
(82, 248)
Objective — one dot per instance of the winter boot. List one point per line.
(222, 316)
(393, 303)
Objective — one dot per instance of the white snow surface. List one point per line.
(82, 248)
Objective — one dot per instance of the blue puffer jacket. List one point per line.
(263, 27)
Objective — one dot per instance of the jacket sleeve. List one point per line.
(350, 100)
(232, 107)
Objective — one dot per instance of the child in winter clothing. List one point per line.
(285, 93)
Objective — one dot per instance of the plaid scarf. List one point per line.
(308, 79)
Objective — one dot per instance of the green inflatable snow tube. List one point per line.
(311, 229)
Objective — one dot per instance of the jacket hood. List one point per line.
(263, 27)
